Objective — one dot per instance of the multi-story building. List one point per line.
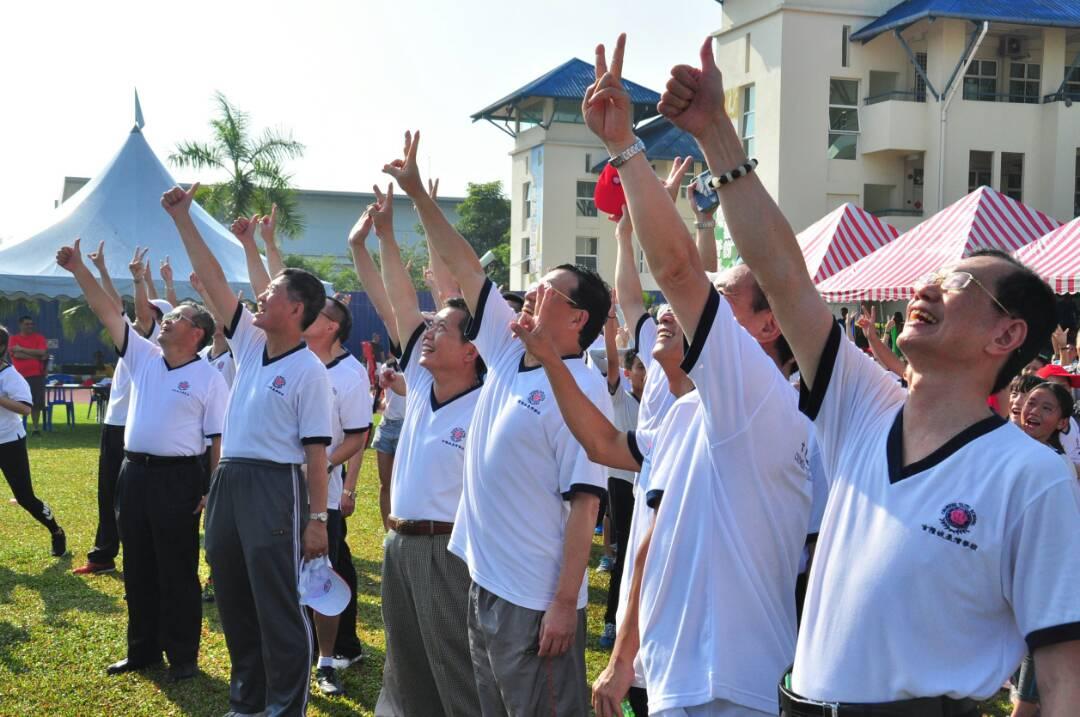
(904, 108)
(556, 160)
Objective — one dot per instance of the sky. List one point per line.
(345, 78)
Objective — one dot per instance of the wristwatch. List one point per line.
(321, 517)
(624, 156)
(350, 493)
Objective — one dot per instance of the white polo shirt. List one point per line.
(395, 402)
(510, 525)
(1070, 441)
(14, 388)
(116, 411)
(172, 409)
(430, 460)
(277, 405)
(625, 417)
(929, 578)
(351, 413)
(730, 530)
(222, 362)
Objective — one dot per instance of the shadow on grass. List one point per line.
(202, 694)
(59, 590)
(10, 636)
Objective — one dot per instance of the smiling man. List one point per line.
(949, 536)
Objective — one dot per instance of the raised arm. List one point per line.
(148, 277)
(442, 280)
(197, 285)
(603, 442)
(267, 229)
(705, 236)
(167, 279)
(451, 247)
(103, 306)
(611, 327)
(368, 275)
(98, 257)
(694, 102)
(669, 248)
(395, 276)
(627, 279)
(884, 355)
(244, 231)
(177, 203)
(144, 311)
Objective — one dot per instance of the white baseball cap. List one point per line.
(322, 589)
(161, 305)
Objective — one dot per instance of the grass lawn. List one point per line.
(59, 631)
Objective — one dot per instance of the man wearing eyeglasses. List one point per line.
(530, 497)
(162, 486)
(947, 544)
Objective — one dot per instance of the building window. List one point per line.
(980, 169)
(747, 128)
(526, 256)
(1024, 82)
(568, 111)
(528, 204)
(526, 165)
(1072, 83)
(920, 83)
(643, 266)
(843, 118)
(845, 46)
(585, 252)
(1012, 175)
(980, 80)
(746, 53)
(586, 205)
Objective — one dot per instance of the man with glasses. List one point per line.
(29, 351)
(948, 541)
(530, 498)
(162, 486)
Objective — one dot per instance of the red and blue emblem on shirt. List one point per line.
(958, 518)
(183, 385)
(457, 435)
(277, 384)
(536, 397)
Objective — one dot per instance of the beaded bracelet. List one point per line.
(741, 171)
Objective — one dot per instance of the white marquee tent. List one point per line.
(122, 207)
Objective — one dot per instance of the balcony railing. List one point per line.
(1066, 96)
(1010, 97)
(901, 95)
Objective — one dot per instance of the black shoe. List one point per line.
(59, 544)
(328, 681)
(126, 665)
(183, 671)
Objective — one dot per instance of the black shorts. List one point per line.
(37, 391)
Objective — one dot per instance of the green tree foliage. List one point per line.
(484, 221)
(342, 276)
(255, 169)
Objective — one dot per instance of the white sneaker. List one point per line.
(341, 663)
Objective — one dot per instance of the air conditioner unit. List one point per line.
(1011, 46)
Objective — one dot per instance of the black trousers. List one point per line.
(160, 534)
(110, 457)
(621, 506)
(348, 642)
(639, 701)
(15, 464)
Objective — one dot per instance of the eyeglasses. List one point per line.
(949, 280)
(547, 285)
(174, 316)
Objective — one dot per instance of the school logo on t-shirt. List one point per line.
(183, 387)
(277, 385)
(537, 397)
(957, 519)
(457, 437)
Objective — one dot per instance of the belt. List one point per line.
(147, 459)
(419, 527)
(792, 705)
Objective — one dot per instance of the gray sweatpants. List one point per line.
(425, 606)
(253, 534)
(510, 677)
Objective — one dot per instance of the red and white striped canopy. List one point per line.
(984, 219)
(1056, 258)
(841, 238)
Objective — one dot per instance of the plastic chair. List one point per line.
(99, 399)
(56, 394)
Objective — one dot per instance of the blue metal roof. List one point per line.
(1045, 13)
(567, 81)
(664, 140)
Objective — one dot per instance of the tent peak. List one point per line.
(139, 122)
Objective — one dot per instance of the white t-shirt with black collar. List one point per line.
(730, 530)
(222, 362)
(510, 525)
(656, 396)
(277, 405)
(929, 578)
(351, 413)
(430, 461)
(14, 388)
(116, 411)
(172, 409)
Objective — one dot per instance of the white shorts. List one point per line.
(716, 708)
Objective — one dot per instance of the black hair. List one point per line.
(201, 320)
(1065, 403)
(898, 319)
(759, 302)
(343, 318)
(843, 311)
(25, 317)
(628, 359)
(1029, 298)
(1044, 360)
(4, 339)
(305, 287)
(457, 303)
(515, 300)
(1024, 383)
(593, 296)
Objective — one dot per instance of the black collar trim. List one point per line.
(266, 360)
(810, 399)
(338, 360)
(435, 405)
(894, 448)
(173, 368)
(211, 357)
(704, 326)
(522, 368)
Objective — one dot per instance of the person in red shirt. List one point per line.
(29, 351)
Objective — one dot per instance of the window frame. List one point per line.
(979, 77)
(838, 133)
(594, 256)
(748, 96)
(580, 209)
(1017, 194)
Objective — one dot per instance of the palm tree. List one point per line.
(255, 169)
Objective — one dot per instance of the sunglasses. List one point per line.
(948, 280)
